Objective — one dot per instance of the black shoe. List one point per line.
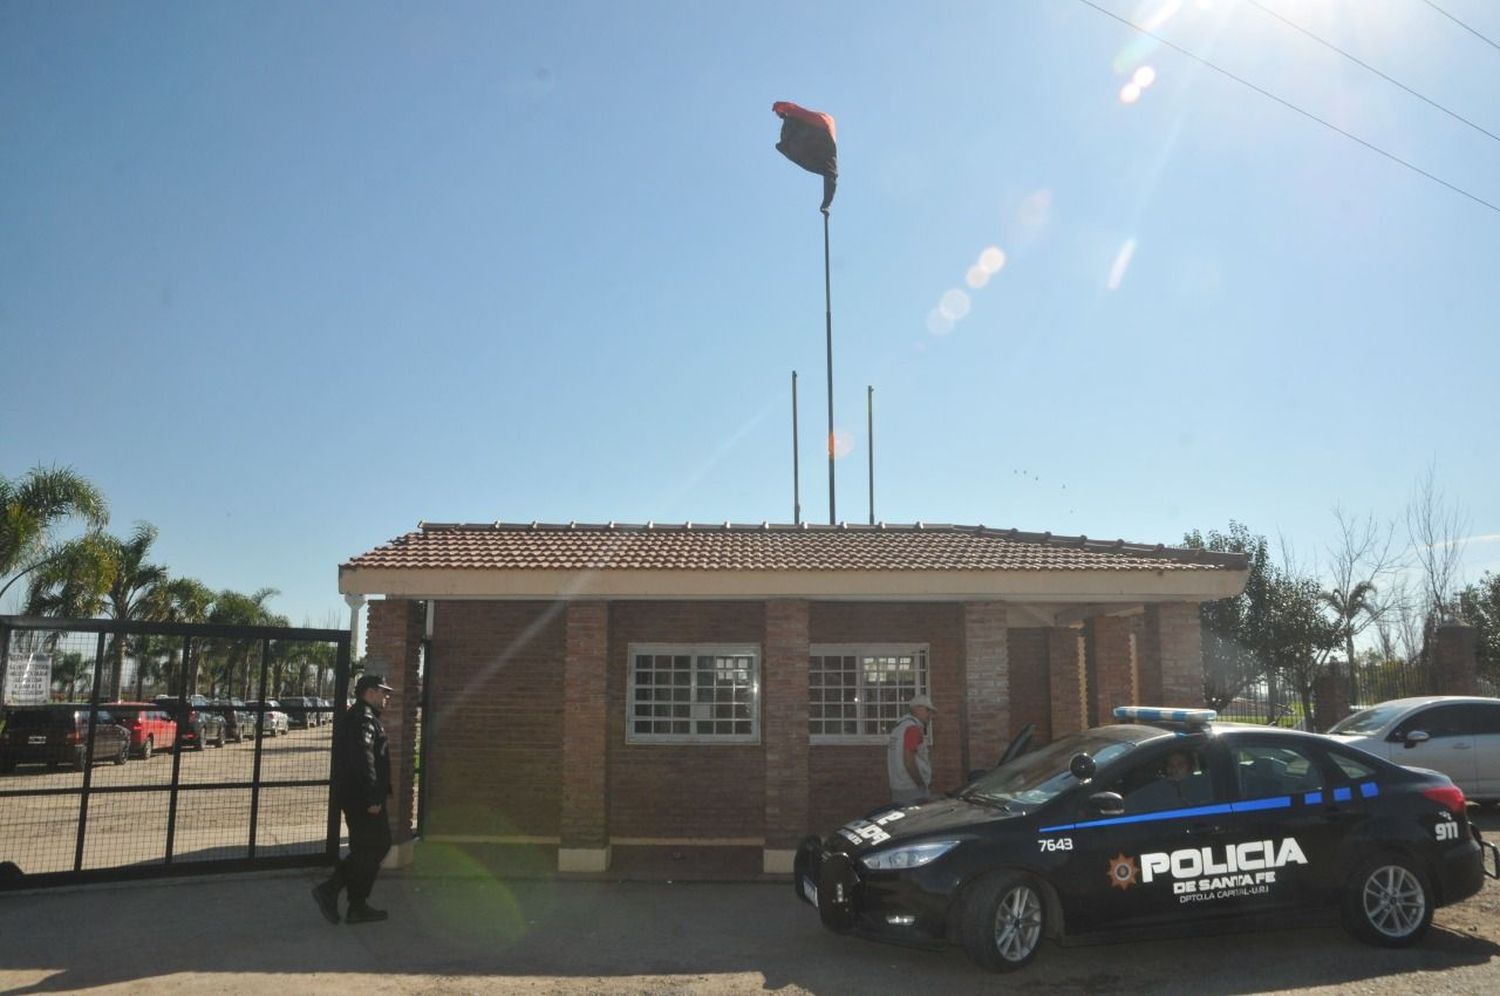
(327, 898)
(365, 914)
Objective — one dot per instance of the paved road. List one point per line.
(38, 833)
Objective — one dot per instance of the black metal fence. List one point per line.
(140, 749)
(1279, 702)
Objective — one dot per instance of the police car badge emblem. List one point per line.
(1123, 872)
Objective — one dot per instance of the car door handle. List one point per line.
(1462, 746)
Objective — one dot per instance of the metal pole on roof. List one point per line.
(828, 302)
(870, 435)
(796, 482)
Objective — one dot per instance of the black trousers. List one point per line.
(369, 841)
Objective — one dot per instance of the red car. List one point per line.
(151, 729)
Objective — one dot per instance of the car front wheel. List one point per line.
(148, 749)
(124, 754)
(1003, 921)
(1388, 902)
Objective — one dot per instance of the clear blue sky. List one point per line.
(285, 278)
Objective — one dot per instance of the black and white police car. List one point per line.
(1163, 823)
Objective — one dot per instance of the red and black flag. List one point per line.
(808, 139)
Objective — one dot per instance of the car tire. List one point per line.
(220, 741)
(124, 754)
(1388, 901)
(1003, 921)
(81, 759)
(148, 748)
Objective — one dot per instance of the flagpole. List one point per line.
(828, 314)
(796, 483)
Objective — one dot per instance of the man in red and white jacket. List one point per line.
(907, 758)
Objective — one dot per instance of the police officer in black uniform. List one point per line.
(362, 782)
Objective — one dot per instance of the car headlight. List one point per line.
(914, 856)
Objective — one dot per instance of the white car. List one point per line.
(1458, 735)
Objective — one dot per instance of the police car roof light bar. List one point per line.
(1190, 718)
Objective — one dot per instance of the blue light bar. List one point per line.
(1152, 714)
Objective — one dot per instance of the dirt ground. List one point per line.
(472, 931)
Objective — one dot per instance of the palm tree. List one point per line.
(1352, 611)
(231, 608)
(131, 578)
(174, 600)
(31, 507)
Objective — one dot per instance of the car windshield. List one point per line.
(1367, 721)
(1037, 778)
(38, 719)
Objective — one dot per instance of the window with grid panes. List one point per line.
(858, 692)
(682, 693)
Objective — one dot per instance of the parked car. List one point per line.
(326, 707)
(198, 723)
(276, 722)
(239, 721)
(1458, 735)
(151, 727)
(60, 734)
(1164, 822)
(301, 712)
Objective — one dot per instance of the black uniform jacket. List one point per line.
(362, 759)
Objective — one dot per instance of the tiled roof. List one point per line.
(766, 547)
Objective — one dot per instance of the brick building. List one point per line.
(592, 686)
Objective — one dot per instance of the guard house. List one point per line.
(599, 686)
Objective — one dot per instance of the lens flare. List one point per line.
(992, 260)
(954, 304)
(1036, 209)
(841, 443)
(1143, 77)
(977, 277)
(938, 323)
(1121, 264)
(1130, 93)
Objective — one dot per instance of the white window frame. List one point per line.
(694, 650)
(921, 651)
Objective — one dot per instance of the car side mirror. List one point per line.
(1416, 737)
(1107, 803)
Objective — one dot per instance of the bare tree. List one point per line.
(1437, 528)
(1361, 561)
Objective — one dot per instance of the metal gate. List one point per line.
(132, 750)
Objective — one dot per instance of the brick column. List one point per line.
(1113, 682)
(584, 824)
(1172, 658)
(1457, 660)
(1066, 680)
(784, 690)
(1330, 700)
(986, 684)
(393, 642)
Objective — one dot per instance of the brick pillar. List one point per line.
(1148, 658)
(1172, 656)
(986, 684)
(1065, 669)
(584, 824)
(1113, 681)
(393, 642)
(784, 684)
(1457, 659)
(1330, 700)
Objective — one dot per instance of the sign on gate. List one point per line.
(28, 679)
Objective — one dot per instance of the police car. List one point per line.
(1162, 823)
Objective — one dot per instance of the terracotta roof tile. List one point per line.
(765, 547)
